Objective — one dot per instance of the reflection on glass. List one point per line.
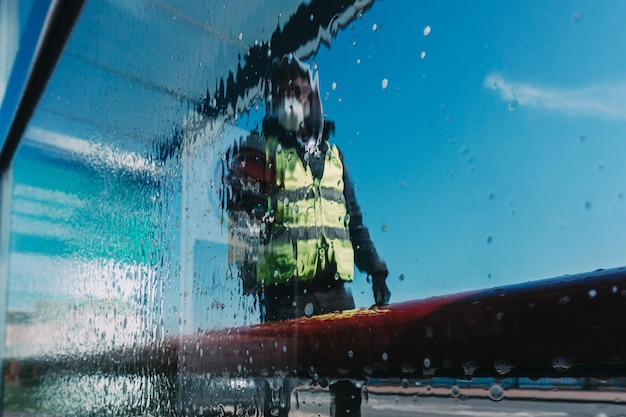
(297, 223)
(158, 230)
(289, 186)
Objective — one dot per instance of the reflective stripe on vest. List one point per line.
(311, 224)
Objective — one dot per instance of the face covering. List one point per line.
(291, 114)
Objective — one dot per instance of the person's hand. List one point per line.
(381, 291)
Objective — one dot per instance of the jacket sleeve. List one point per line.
(365, 256)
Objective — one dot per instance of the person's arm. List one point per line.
(365, 256)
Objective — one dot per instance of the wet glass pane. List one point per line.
(322, 208)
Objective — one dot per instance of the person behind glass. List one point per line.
(312, 233)
(289, 183)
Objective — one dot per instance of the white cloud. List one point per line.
(606, 101)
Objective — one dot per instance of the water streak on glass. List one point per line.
(483, 144)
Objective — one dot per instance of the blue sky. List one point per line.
(494, 153)
(485, 140)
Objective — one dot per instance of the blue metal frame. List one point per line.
(22, 67)
(43, 38)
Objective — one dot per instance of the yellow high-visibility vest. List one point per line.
(310, 226)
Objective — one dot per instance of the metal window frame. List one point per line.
(42, 41)
(47, 29)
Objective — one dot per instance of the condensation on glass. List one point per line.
(484, 144)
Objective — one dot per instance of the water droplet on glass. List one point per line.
(455, 391)
(564, 300)
(427, 30)
(383, 227)
(423, 54)
(385, 83)
(427, 363)
(350, 353)
(513, 104)
(502, 367)
(385, 357)
(489, 239)
(286, 202)
(592, 293)
(496, 392)
(309, 309)
(374, 27)
(405, 384)
(401, 277)
(469, 367)
(311, 17)
(333, 86)
(240, 36)
(279, 148)
(561, 364)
